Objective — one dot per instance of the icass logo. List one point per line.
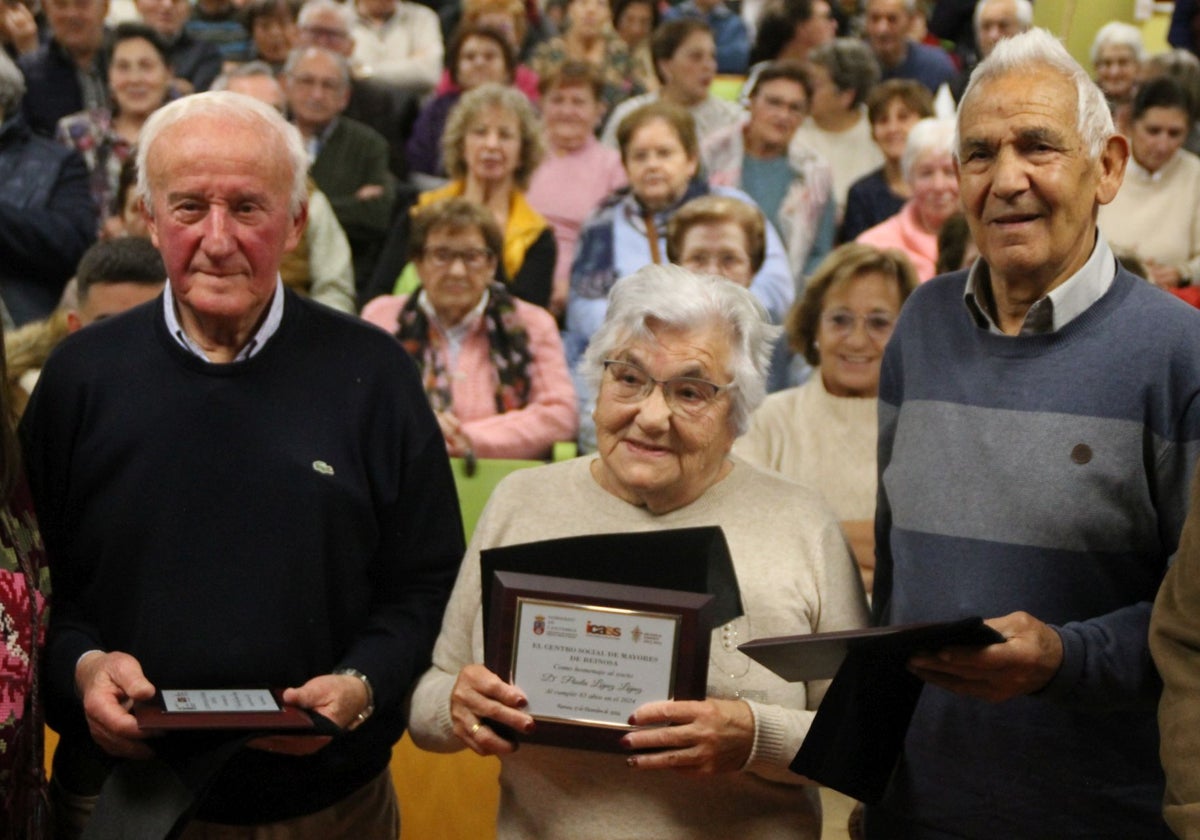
(601, 630)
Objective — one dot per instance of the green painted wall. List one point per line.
(1078, 21)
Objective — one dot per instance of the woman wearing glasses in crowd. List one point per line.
(678, 365)
(492, 143)
(492, 365)
(824, 433)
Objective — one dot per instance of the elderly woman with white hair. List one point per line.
(1117, 53)
(928, 168)
(678, 366)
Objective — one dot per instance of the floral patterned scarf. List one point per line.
(508, 348)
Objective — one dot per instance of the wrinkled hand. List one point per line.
(339, 697)
(457, 442)
(1023, 664)
(369, 191)
(109, 683)
(477, 694)
(708, 736)
(19, 28)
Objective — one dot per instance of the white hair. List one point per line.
(659, 296)
(1118, 34)
(1023, 8)
(298, 54)
(314, 7)
(1037, 49)
(928, 135)
(227, 105)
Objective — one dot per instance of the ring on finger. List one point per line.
(475, 728)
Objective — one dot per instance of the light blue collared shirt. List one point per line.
(1057, 308)
(256, 343)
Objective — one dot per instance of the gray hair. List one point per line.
(667, 295)
(850, 64)
(1024, 10)
(928, 135)
(236, 106)
(248, 70)
(12, 86)
(1019, 54)
(300, 53)
(314, 7)
(1118, 34)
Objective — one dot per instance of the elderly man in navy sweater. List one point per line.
(238, 488)
(1039, 425)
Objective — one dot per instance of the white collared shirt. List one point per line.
(456, 335)
(1057, 308)
(256, 343)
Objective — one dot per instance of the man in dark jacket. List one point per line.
(69, 72)
(47, 218)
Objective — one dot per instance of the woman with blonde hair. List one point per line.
(492, 144)
(824, 433)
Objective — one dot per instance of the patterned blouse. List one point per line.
(92, 135)
(24, 585)
(622, 75)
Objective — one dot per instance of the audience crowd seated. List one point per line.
(1116, 53)
(790, 183)
(589, 37)
(572, 110)
(139, 78)
(272, 27)
(47, 218)
(928, 167)
(893, 107)
(685, 61)
(510, 19)
(492, 364)
(321, 265)
(888, 25)
(663, 463)
(477, 55)
(824, 433)
(1156, 214)
(843, 72)
(349, 160)
(398, 42)
(729, 31)
(662, 161)
(635, 21)
(68, 72)
(194, 62)
(492, 144)
(791, 29)
(483, 176)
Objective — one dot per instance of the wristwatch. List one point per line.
(361, 717)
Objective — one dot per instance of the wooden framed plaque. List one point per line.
(246, 709)
(586, 654)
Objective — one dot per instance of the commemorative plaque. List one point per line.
(587, 654)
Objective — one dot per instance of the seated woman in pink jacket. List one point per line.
(493, 365)
(928, 166)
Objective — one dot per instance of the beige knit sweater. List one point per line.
(795, 577)
(820, 440)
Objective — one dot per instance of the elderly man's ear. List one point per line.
(1112, 168)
